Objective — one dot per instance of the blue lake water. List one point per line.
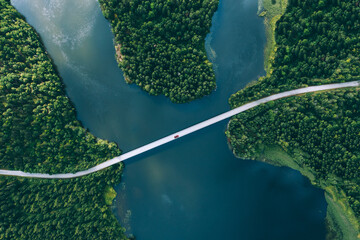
(193, 188)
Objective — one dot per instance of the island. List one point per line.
(160, 45)
(309, 43)
(40, 133)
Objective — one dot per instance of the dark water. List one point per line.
(193, 188)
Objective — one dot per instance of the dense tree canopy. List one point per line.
(324, 126)
(318, 42)
(161, 45)
(39, 133)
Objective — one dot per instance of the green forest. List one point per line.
(325, 127)
(160, 45)
(40, 133)
(317, 42)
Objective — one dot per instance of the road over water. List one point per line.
(182, 133)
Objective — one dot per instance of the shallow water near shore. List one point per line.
(193, 188)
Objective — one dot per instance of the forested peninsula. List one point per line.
(160, 45)
(315, 42)
(40, 133)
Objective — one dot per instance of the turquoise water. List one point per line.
(193, 188)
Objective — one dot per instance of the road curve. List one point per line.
(182, 133)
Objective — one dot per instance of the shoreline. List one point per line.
(160, 73)
(340, 220)
(271, 14)
(119, 58)
(54, 93)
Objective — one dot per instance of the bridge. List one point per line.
(182, 133)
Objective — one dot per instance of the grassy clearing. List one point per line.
(109, 195)
(277, 156)
(342, 224)
(341, 220)
(272, 11)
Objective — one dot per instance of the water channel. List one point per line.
(193, 188)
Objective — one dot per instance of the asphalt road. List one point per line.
(182, 133)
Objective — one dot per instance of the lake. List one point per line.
(193, 188)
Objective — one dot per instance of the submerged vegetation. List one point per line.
(317, 42)
(39, 133)
(160, 45)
